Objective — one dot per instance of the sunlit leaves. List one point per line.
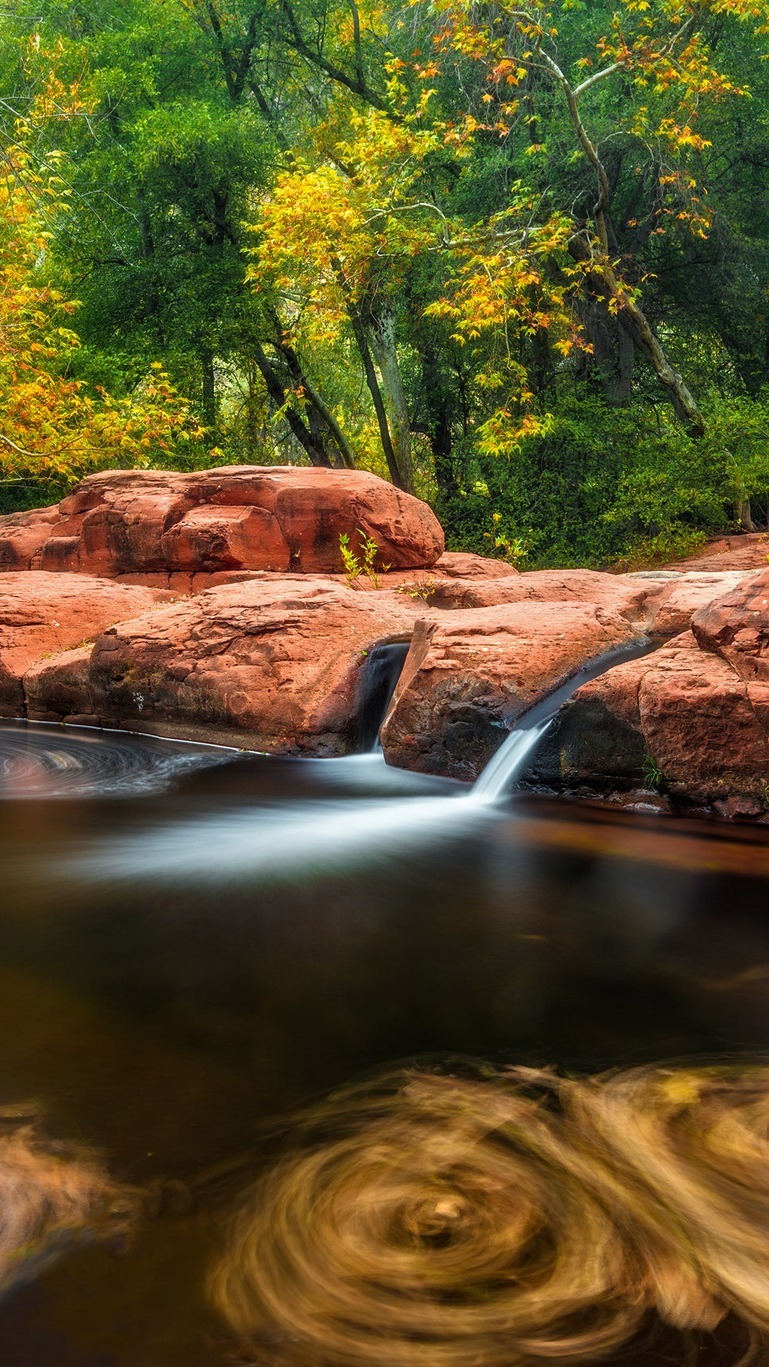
(51, 426)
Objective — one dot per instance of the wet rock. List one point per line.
(469, 675)
(42, 614)
(270, 664)
(275, 518)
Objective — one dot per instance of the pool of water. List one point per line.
(194, 943)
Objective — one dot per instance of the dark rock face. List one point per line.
(273, 518)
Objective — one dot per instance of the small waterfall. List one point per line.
(379, 675)
(506, 766)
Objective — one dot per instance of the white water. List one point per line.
(509, 762)
(506, 766)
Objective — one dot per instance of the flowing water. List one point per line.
(196, 945)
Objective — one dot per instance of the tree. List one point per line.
(52, 427)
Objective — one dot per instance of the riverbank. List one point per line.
(243, 606)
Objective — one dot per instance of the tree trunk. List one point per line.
(398, 477)
(209, 389)
(603, 281)
(316, 451)
(321, 416)
(382, 334)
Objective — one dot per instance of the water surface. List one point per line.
(195, 942)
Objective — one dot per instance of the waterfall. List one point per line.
(509, 762)
(379, 675)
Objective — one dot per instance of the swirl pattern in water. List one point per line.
(52, 1195)
(38, 761)
(511, 1218)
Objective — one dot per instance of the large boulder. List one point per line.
(470, 675)
(681, 721)
(42, 614)
(274, 664)
(231, 519)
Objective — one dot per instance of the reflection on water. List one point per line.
(52, 1194)
(187, 961)
(508, 1218)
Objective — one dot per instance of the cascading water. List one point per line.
(507, 765)
(195, 943)
(379, 675)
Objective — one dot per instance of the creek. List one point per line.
(195, 942)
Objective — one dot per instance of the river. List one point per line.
(195, 943)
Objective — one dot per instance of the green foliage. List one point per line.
(607, 485)
(422, 193)
(652, 774)
(362, 561)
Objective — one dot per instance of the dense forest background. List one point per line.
(513, 258)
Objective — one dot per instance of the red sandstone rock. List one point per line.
(270, 664)
(622, 594)
(469, 675)
(22, 535)
(736, 627)
(278, 518)
(468, 565)
(661, 603)
(671, 608)
(745, 551)
(42, 614)
(680, 719)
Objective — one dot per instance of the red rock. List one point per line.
(469, 675)
(622, 594)
(468, 565)
(659, 602)
(736, 627)
(22, 535)
(276, 518)
(211, 537)
(42, 614)
(744, 551)
(671, 608)
(270, 664)
(680, 719)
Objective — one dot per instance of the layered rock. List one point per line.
(470, 675)
(235, 518)
(271, 664)
(42, 614)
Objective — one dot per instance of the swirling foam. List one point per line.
(52, 1195)
(507, 1219)
(44, 763)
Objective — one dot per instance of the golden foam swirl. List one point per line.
(52, 1195)
(511, 1219)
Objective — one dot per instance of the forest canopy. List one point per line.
(514, 258)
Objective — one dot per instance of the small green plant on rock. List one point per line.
(652, 774)
(360, 562)
(421, 589)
